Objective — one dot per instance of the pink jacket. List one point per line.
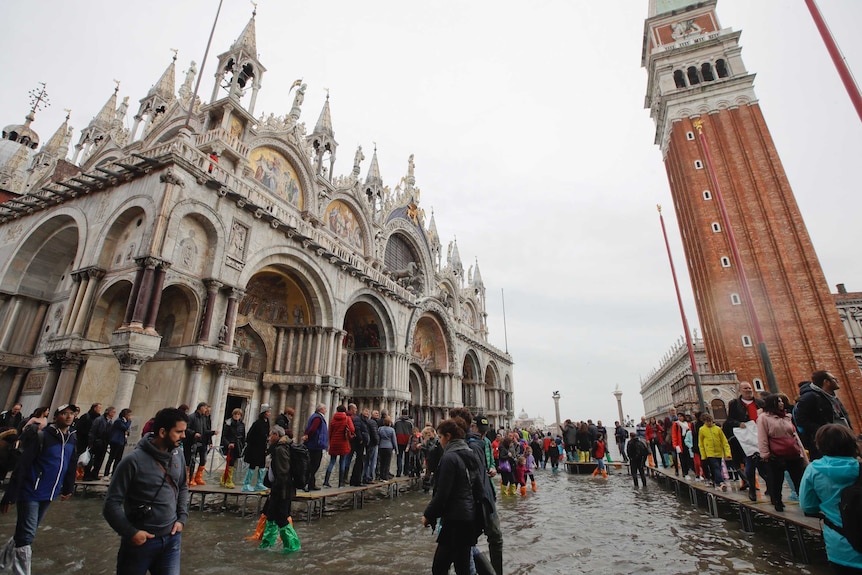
(771, 425)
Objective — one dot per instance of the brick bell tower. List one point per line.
(716, 146)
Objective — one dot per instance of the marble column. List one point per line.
(288, 353)
(71, 362)
(213, 288)
(10, 323)
(15, 388)
(230, 316)
(133, 296)
(156, 296)
(218, 398)
(279, 341)
(82, 315)
(300, 391)
(195, 379)
(299, 352)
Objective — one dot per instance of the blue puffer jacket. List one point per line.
(319, 439)
(820, 491)
(45, 470)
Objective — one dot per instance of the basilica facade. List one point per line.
(206, 254)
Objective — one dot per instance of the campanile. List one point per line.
(697, 85)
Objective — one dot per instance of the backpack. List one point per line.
(850, 507)
(299, 458)
(471, 463)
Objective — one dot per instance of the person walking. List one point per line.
(817, 406)
(637, 452)
(388, 444)
(780, 447)
(714, 449)
(255, 451)
(200, 433)
(44, 471)
(621, 436)
(98, 439)
(341, 431)
(117, 439)
(278, 520)
(147, 503)
(403, 431)
(741, 412)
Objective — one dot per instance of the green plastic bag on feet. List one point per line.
(289, 538)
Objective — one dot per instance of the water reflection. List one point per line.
(574, 524)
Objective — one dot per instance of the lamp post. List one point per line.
(556, 396)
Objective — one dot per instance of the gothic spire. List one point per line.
(324, 122)
(108, 113)
(58, 144)
(373, 176)
(164, 88)
(248, 39)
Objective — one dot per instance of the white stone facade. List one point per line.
(220, 261)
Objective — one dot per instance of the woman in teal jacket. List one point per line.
(820, 491)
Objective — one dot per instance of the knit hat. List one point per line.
(265, 407)
(277, 429)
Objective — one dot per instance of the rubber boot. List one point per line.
(523, 491)
(533, 486)
(223, 481)
(326, 479)
(199, 476)
(289, 538)
(270, 535)
(248, 482)
(261, 473)
(194, 478)
(21, 561)
(605, 473)
(595, 471)
(229, 483)
(258, 531)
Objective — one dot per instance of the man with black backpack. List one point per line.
(817, 406)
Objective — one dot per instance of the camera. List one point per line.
(140, 512)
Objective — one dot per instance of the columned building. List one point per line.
(698, 84)
(221, 260)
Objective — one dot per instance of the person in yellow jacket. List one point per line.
(714, 448)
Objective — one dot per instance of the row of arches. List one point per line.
(694, 75)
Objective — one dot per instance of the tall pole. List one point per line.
(694, 371)
(737, 261)
(556, 397)
(837, 57)
(203, 65)
(505, 331)
(619, 395)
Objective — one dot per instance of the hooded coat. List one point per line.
(339, 444)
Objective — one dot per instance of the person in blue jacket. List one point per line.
(44, 471)
(820, 491)
(117, 439)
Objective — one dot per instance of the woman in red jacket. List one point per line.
(341, 430)
(654, 435)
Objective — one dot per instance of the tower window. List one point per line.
(746, 341)
(758, 384)
(679, 78)
(725, 262)
(698, 165)
(689, 135)
(706, 72)
(734, 299)
(707, 195)
(693, 78)
(721, 68)
(716, 227)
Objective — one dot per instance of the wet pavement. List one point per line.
(574, 524)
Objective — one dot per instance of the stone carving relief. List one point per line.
(238, 244)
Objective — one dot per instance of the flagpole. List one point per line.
(203, 66)
(505, 331)
(737, 261)
(837, 57)
(697, 382)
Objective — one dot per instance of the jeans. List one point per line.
(399, 462)
(30, 514)
(159, 556)
(370, 463)
(714, 464)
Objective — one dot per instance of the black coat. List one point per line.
(360, 425)
(453, 496)
(256, 442)
(813, 411)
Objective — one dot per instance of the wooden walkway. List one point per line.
(315, 501)
(579, 468)
(794, 521)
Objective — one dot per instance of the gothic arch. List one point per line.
(177, 317)
(189, 219)
(361, 222)
(300, 164)
(417, 242)
(109, 311)
(318, 290)
(123, 234)
(431, 308)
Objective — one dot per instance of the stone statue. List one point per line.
(410, 167)
(185, 90)
(300, 96)
(359, 157)
(222, 335)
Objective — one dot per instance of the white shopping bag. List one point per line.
(747, 437)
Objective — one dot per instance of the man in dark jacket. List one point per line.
(817, 406)
(200, 433)
(98, 443)
(44, 471)
(285, 419)
(359, 443)
(373, 442)
(403, 431)
(741, 411)
(570, 439)
(84, 425)
(148, 499)
(12, 418)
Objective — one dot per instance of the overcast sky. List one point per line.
(530, 137)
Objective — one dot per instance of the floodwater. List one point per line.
(574, 524)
